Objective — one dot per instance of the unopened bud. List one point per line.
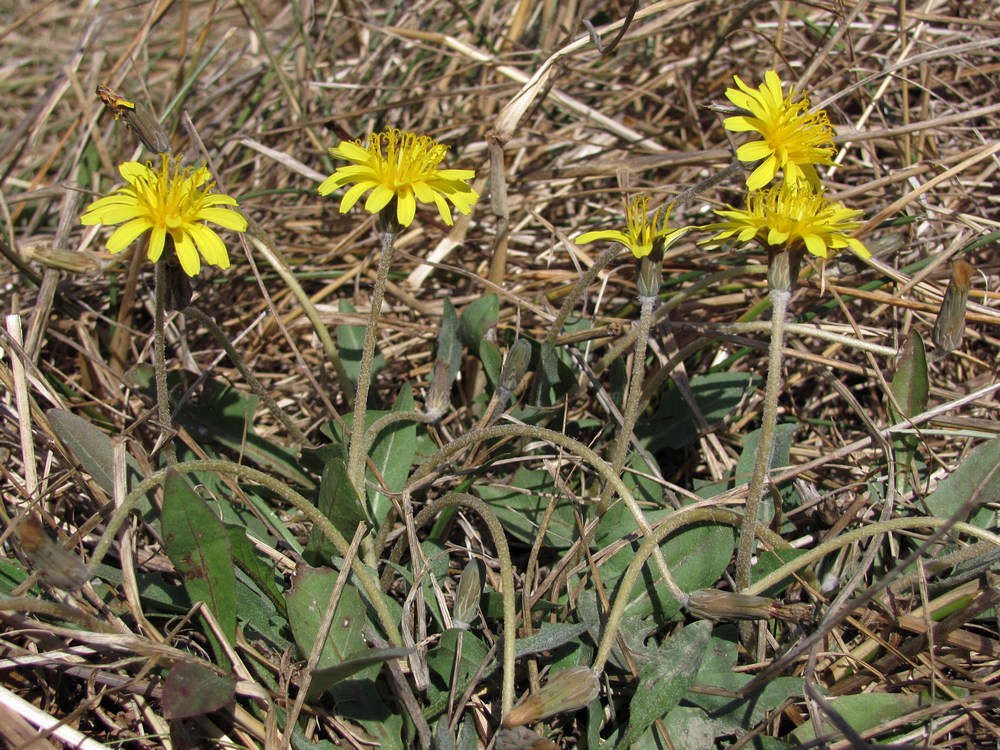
(438, 399)
(568, 690)
(470, 588)
(514, 368)
(950, 323)
(521, 738)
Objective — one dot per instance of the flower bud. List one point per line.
(438, 399)
(568, 690)
(514, 368)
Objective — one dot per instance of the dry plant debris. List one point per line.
(536, 544)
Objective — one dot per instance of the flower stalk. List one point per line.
(356, 454)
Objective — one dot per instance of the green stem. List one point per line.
(506, 576)
(160, 364)
(800, 329)
(389, 419)
(632, 400)
(882, 527)
(765, 447)
(578, 289)
(365, 575)
(269, 250)
(683, 517)
(356, 453)
(248, 376)
(602, 467)
(621, 345)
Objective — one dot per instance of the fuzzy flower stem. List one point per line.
(733, 168)
(461, 499)
(263, 242)
(578, 289)
(632, 399)
(765, 449)
(160, 364)
(602, 467)
(364, 573)
(290, 427)
(356, 453)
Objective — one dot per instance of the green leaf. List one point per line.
(736, 715)
(441, 658)
(350, 342)
(478, 318)
(197, 544)
(910, 384)
(521, 506)
(666, 678)
(550, 636)
(392, 454)
(717, 394)
(225, 415)
(246, 557)
(339, 502)
(783, 436)
(306, 603)
(95, 452)
(354, 663)
(976, 481)
(865, 711)
(449, 341)
(193, 690)
(910, 387)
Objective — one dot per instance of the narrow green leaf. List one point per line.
(197, 544)
(225, 415)
(865, 711)
(94, 450)
(356, 662)
(246, 557)
(910, 384)
(666, 678)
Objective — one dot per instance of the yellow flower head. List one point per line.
(794, 139)
(791, 214)
(169, 201)
(403, 166)
(641, 232)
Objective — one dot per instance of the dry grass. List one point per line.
(268, 87)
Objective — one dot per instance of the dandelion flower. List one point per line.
(641, 233)
(401, 166)
(786, 215)
(170, 202)
(794, 139)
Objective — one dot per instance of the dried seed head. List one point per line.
(950, 323)
(57, 566)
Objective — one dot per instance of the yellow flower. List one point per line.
(169, 201)
(794, 139)
(641, 233)
(401, 166)
(789, 214)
